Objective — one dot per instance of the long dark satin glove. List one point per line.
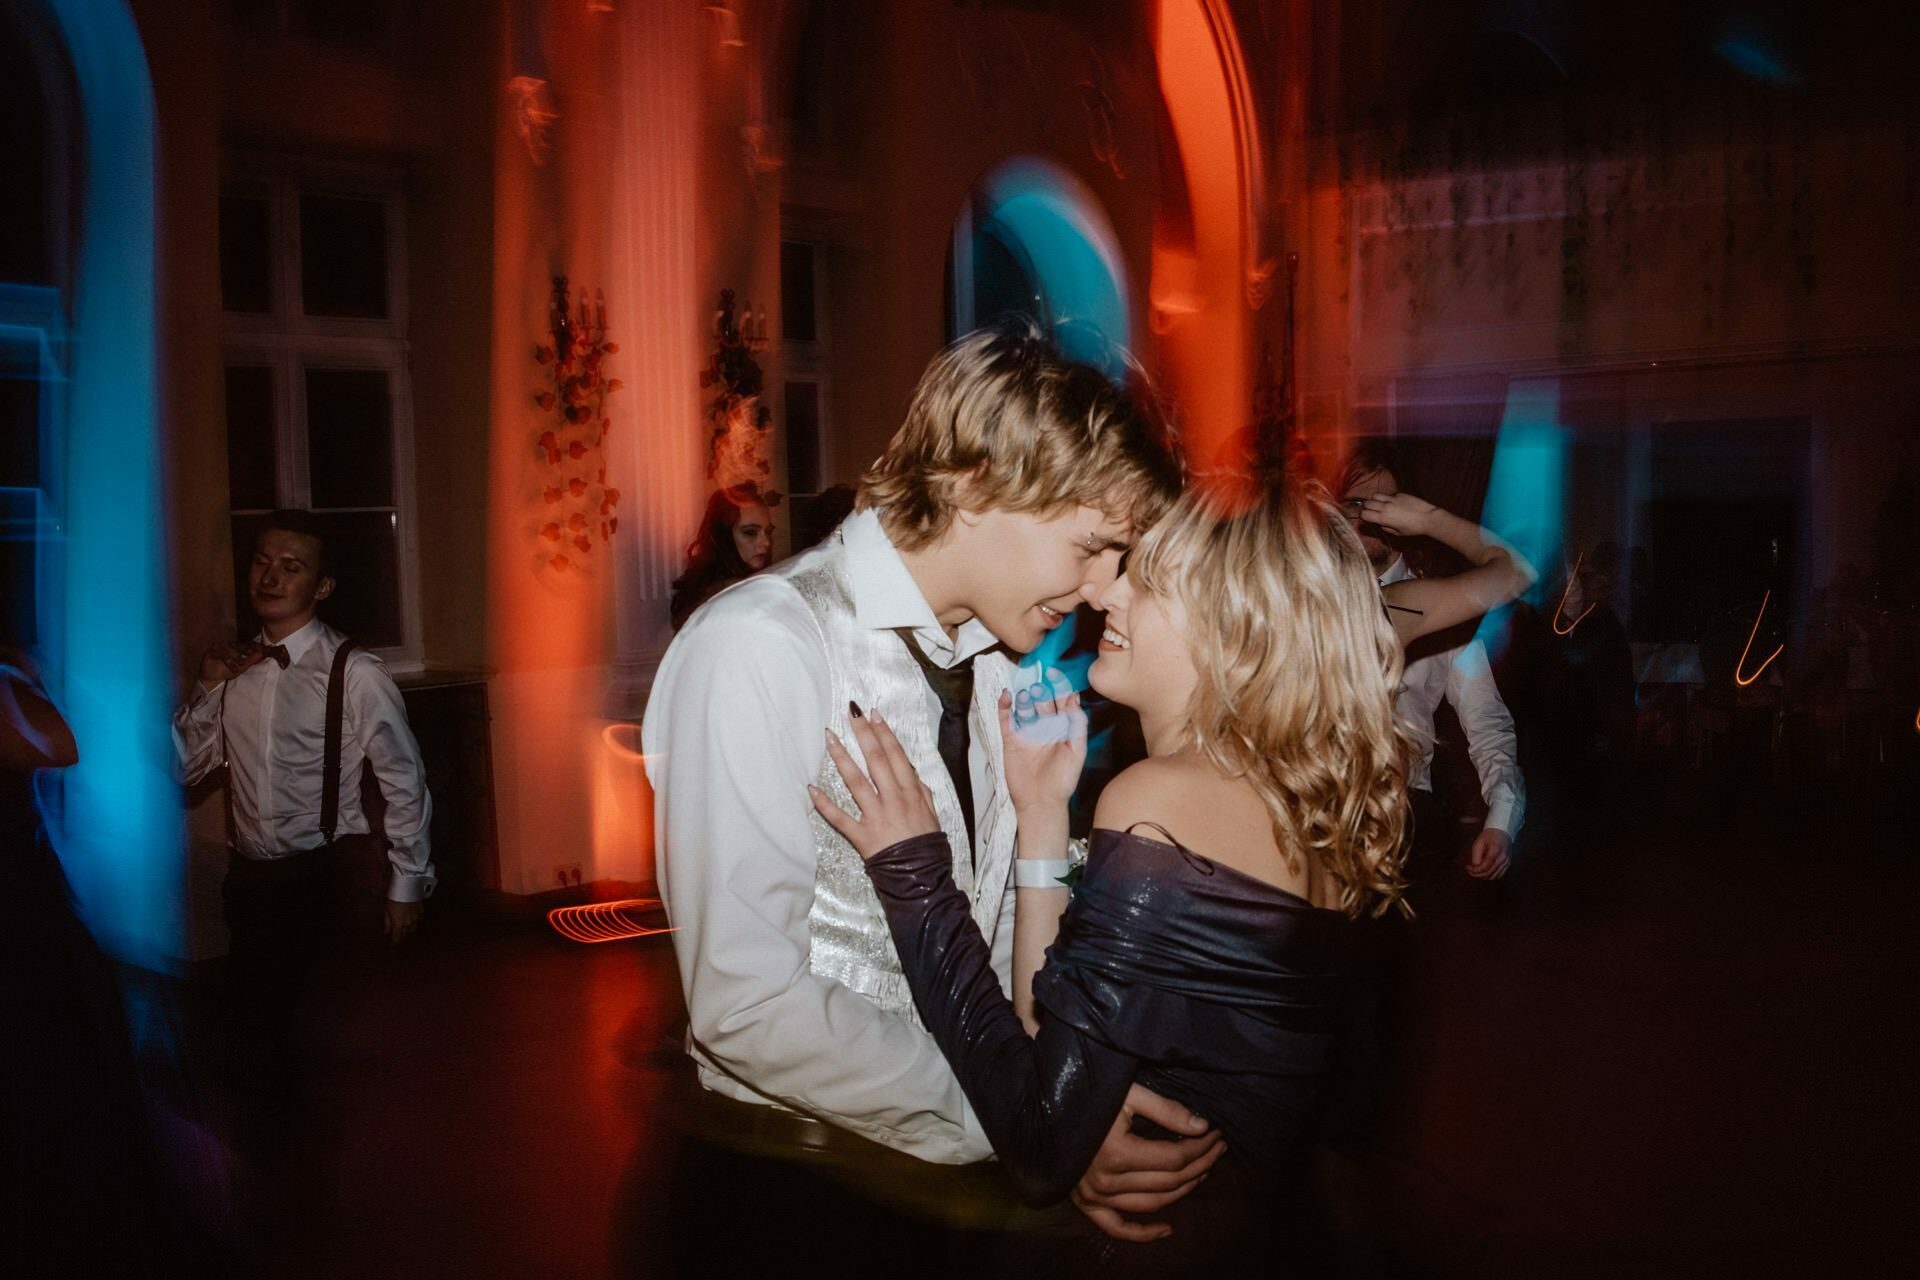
(1047, 1102)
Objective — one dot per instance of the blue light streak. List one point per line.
(110, 645)
(1059, 223)
(1526, 492)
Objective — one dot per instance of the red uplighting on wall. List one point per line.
(1205, 277)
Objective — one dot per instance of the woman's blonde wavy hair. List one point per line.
(1000, 420)
(1297, 666)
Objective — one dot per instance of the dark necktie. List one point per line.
(954, 687)
(278, 652)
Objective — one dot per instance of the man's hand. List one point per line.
(1135, 1175)
(1491, 853)
(224, 661)
(402, 919)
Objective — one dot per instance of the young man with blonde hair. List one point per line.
(1007, 498)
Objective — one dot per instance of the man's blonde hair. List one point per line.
(1298, 668)
(1000, 420)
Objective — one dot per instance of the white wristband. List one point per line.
(1040, 873)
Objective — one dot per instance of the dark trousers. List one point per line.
(283, 916)
(747, 1197)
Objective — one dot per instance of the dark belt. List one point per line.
(296, 865)
(970, 1196)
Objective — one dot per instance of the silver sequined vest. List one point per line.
(851, 943)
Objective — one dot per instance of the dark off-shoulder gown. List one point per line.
(1204, 984)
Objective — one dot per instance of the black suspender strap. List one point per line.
(336, 716)
(226, 762)
(330, 760)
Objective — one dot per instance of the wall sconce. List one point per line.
(726, 24)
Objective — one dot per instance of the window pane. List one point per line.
(246, 254)
(19, 566)
(360, 26)
(25, 232)
(343, 257)
(362, 558)
(19, 432)
(252, 473)
(20, 513)
(803, 437)
(349, 438)
(798, 320)
(256, 17)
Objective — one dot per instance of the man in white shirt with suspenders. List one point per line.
(293, 715)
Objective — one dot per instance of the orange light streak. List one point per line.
(1204, 278)
(622, 738)
(606, 921)
(1560, 609)
(1743, 682)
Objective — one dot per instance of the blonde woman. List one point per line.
(1203, 951)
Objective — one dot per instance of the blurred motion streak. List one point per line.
(1738, 667)
(122, 836)
(606, 921)
(1559, 610)
(1205, 276)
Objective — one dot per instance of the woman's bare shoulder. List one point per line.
(1173, 791)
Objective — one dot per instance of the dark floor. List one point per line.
(1679, 1052)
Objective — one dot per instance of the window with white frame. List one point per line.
(312, 285)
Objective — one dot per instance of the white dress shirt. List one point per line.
(1464, 677)
(734, 733)
(275, 724)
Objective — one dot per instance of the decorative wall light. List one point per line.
(726, 25)
(527, 91)
(580, 503)
(740, 446)
(533, 114)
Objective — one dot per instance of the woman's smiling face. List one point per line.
(1145, 661)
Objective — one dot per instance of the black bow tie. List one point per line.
(954, 687)
(278, 652)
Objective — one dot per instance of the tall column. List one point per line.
(658, 443)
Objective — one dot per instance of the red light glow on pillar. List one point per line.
(1204, 276)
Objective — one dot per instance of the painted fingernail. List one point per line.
(854, 708)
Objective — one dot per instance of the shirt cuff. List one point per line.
(407, 886)
(1502, 814)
